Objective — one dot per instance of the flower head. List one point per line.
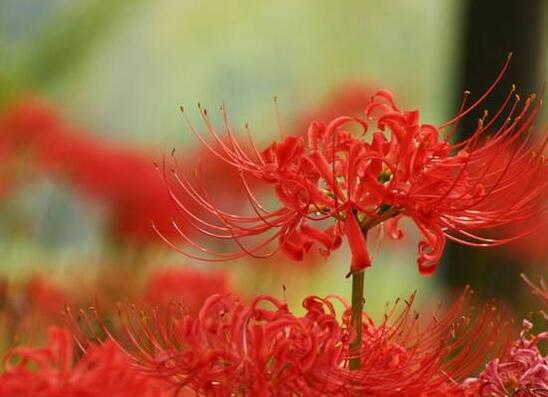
(354, 173)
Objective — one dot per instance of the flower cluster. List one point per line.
(262, 349)
(353, 173)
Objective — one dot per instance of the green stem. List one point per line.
(357, 314)
(358, 279)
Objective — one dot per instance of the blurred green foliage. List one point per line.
(62, 34)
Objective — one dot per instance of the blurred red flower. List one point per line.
(188, 286)
(56, 371)
(28, 307)
(348, 99)
(123, 179)
(532, 248)
(46, 297)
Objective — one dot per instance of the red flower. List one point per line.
(262, 349)
(339, 183)
(53, 372)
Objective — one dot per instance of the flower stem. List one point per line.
(357, 314)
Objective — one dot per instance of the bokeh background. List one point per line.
(89, 99)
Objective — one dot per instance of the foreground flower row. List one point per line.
(262, 349)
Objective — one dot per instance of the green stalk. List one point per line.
(357, 314)
(385, 212)
(358, 279)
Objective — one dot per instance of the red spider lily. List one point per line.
(53, 372)
(191, 286)
(522, 372)
(262, 349)
(339, 184)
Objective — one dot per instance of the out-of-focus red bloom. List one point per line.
(115, 175)
(184, 285)
(347, 99)
(122, 178)
(531, 248)
(37, 296)
(522, 372)
(55, 371)
(262, 349)
(28, 308)
(339, 183)
(45, 297)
